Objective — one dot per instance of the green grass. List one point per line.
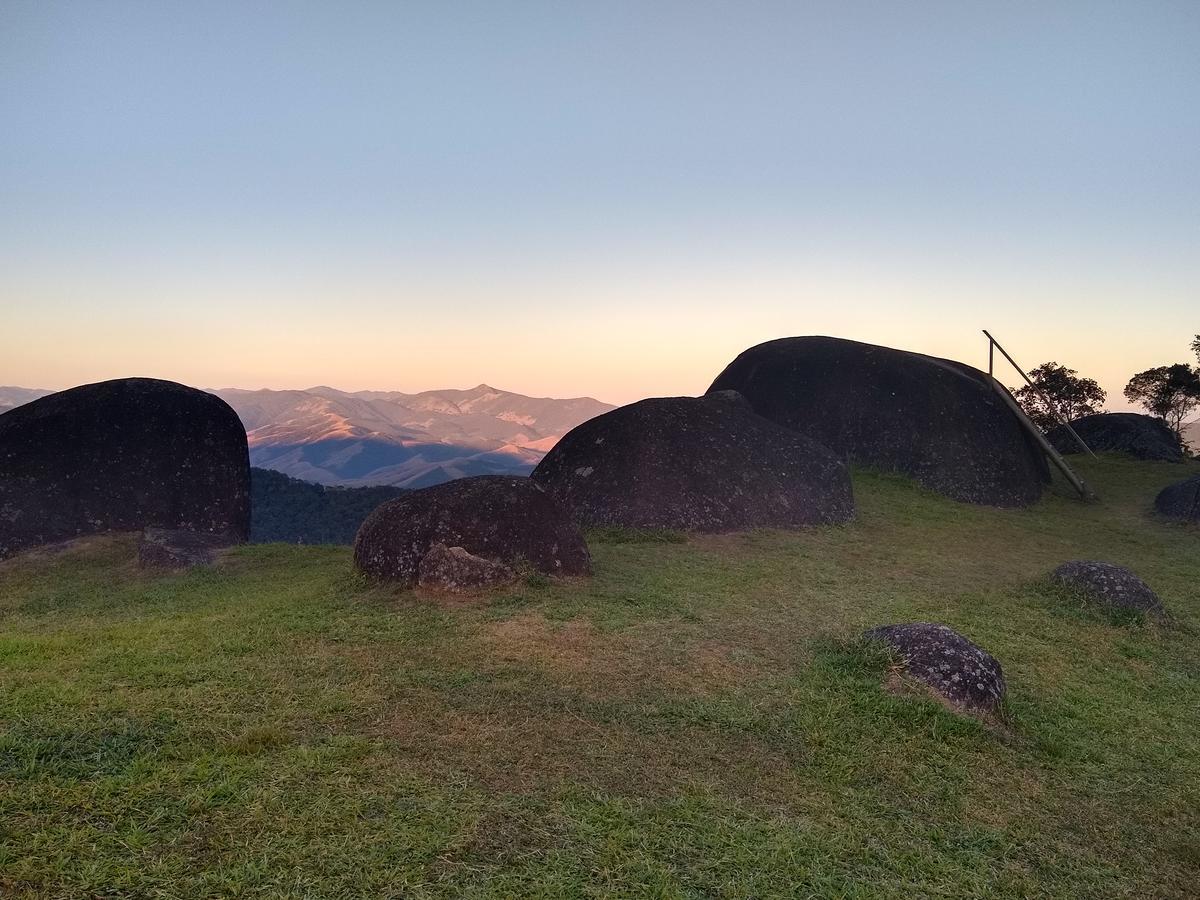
(699, 719)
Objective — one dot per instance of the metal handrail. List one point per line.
(993, 343)
(1049, 449)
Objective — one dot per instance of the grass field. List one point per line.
(697, 720)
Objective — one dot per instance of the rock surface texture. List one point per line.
(1180, 501)
(937, 421)
(1108, 585)
(1142, 436)
(503, 519)
(173, 548)
(705, 464)
(958, 670)
(122, 455)
(454, 570)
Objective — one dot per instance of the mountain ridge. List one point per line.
(370, 437)
(358, 438)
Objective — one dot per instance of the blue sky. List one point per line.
(608, 199)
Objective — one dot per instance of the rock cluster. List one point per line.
(122, 455)
(959, 671)
(501, 519)
(937, 421)
(705, 464)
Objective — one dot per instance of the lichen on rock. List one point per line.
(956, 669)
(1110, 586)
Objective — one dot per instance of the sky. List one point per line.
(609, 199)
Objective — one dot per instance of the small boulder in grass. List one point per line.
(1180, 501)
(454, 570)
(1110, 586)
(960, 672)
(177, 548)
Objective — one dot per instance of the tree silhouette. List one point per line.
(1058, 391)
(1169, 392)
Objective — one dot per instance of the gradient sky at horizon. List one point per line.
(610, 199)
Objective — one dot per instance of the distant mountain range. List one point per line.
(15, 396)
(388, 437)
(412, 440)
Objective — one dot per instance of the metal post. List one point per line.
(993, 343)
(1076, 482)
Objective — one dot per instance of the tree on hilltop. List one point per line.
(1169, 392)
(1058, 391)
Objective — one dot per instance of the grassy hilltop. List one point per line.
(697, 720)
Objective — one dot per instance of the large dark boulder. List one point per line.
(959, 671)
(1142, 436)
(122, 455)
(698, 464)
(1109, 586)
(1180, 500)
(937, 421)
(500, 518)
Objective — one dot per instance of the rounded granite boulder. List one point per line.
(1107, 585)
(122, 455)
(955, 668)
(1143, 437)
(501, 519)
(1180, 501)
(707, 464)
(939, 422)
